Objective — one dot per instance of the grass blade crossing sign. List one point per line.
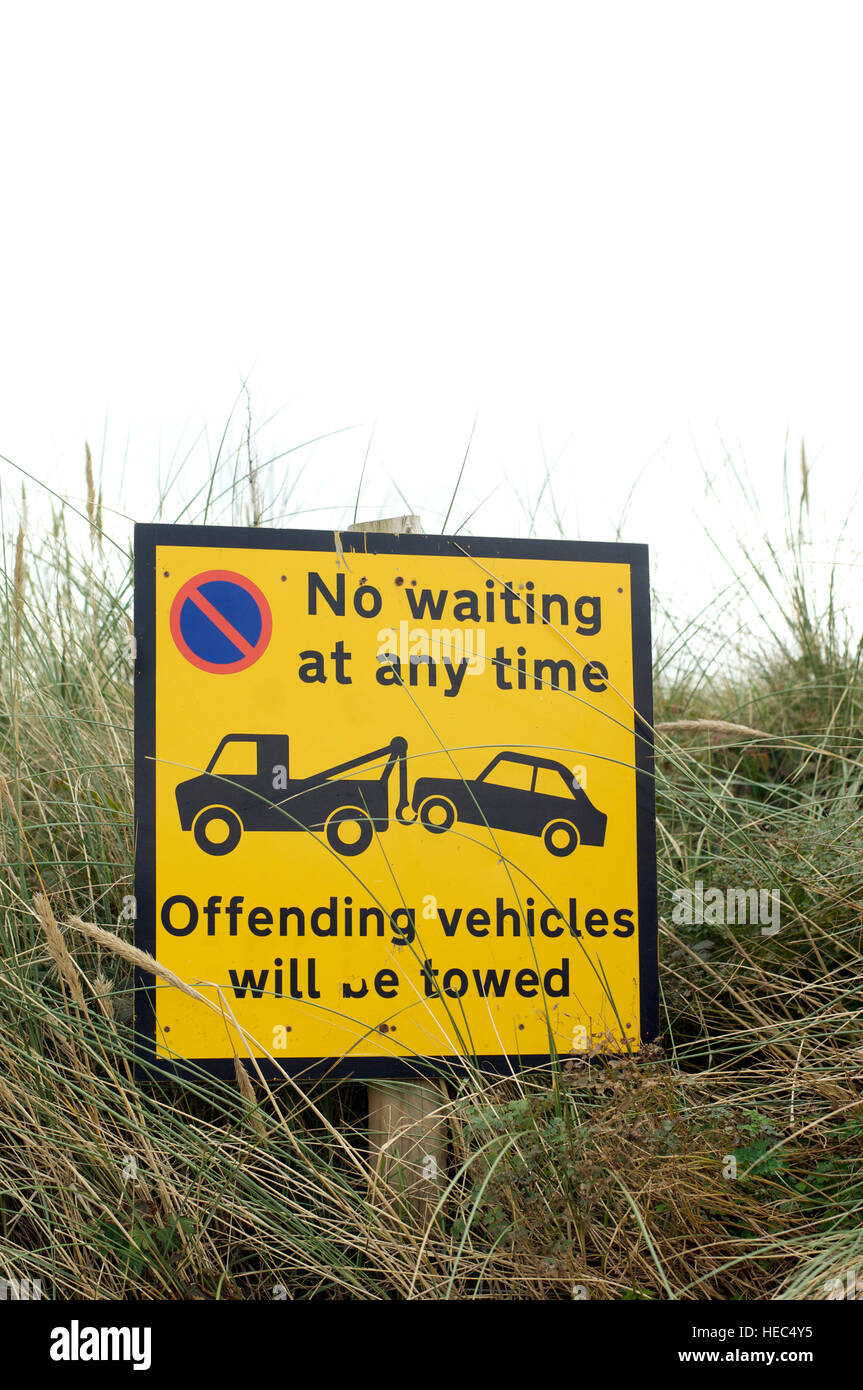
(394, 799)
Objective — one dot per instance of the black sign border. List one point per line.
(147, 537)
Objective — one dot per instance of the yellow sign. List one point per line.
(394, 799)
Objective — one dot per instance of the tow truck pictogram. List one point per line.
(221, 803)
(218, 806)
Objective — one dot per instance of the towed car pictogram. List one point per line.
(505, 796)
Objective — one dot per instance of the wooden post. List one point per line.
(407, 1130)
(407, 1142)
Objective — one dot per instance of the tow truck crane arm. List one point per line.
(396, 751)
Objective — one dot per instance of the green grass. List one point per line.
(612, 1178)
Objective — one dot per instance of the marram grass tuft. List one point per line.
(724, 1163)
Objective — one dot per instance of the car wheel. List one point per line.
(349, 831)
(217, 830)
(437, 814)
(560, 837)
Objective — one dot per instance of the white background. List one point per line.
(623, 238)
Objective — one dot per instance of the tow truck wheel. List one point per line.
(437, 814)
(349, 830)
(560, 837)
(217, 830)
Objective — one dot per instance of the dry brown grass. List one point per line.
(610, 1178)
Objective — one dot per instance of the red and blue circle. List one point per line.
(221, 621)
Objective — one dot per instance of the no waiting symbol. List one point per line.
(221, 621)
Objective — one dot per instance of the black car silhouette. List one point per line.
(505, 797)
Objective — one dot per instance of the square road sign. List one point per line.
(393, 798)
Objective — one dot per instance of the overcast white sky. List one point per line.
(627, 233)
